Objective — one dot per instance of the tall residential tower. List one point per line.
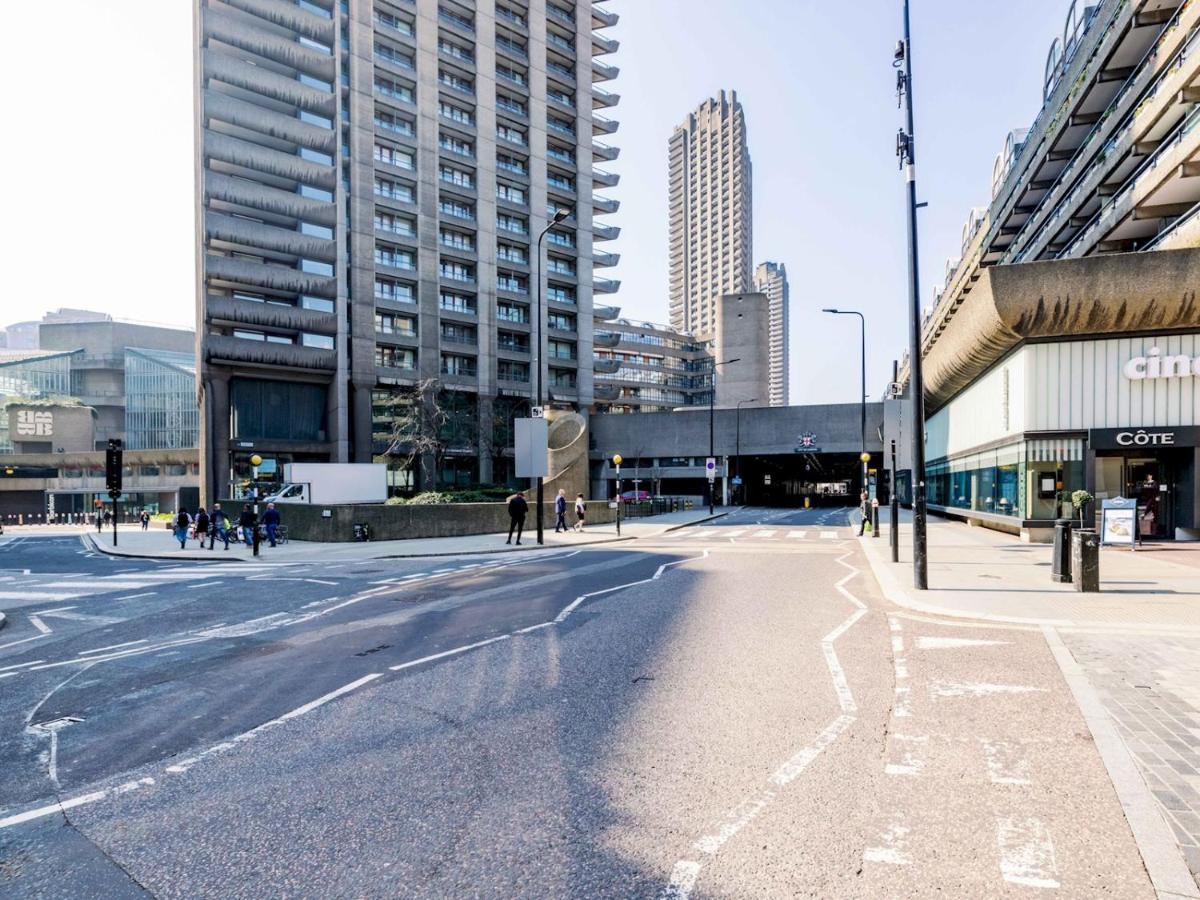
(372, 176)
(711, 212)
(771, 279)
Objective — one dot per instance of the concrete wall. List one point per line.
(306, 523)
(71, 428)
(744, 334)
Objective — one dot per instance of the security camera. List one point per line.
(898, 54)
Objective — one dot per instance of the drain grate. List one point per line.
(56, 724)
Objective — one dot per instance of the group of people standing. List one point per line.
(217, 526)
(518, 507)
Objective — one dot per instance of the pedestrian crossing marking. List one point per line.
(829, 535)
(732, 534)
(798, 534)
(765, 533)
(36, 595)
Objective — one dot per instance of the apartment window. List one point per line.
(510, 370)
(317, 341)
(508, 133)
(394, 156)
(458, 51)
(516, 224)
(456, 145)
(314, 230)
(563, 378)
(452, 301)
(456, 271)
(318, 83)
(456, 81)
(402, 225)
(560, 294)
(313, 119)
(393, 55)
(560, 266)
(455, 18)
(557, 123)
(315, 156)
(315, 8)
(393, 190)
(395, 357)
(460, 177)
(395, 291)
(560, 349)
(510, 15)
(560, 153)
(320, 304)
(315, 267)
(560, 69)
(459, 240)
(557, 180)
(456, 333)
(509, 163)
(514, 284)
(560, 321)
(511, 104)
(555, 39)
(394, 89)
(512, 45)
(506, 311)
(512, 253)
(247, 335)
(453, 364)
(394, 257)
(561, 238)
(515, 74)
(394, 123)
(457, 209)
(388, 20)
(510, 193)
(456, 113)
(387, 323)
(512, 341)
(561, 96)
(315, 193)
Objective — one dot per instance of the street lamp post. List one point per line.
(906, 151)
(540, 399)
(712, 399)
(737, 454)
(862, 398)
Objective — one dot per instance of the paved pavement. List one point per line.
(720, 711)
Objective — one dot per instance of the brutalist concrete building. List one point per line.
(372, 176)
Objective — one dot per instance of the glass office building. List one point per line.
(160, 400)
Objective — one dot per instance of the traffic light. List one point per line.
(113, 467)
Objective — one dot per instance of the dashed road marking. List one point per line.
(979, 689)
(1026, 853)
(949, 643)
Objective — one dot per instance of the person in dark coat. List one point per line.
(202, 525)
(270, 520)
(517, 508)
(864, 507)
(145, 519)
(248, 521)
(560, 512)
(182, 521)
(218, 526)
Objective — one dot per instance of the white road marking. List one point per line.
(737, 532)
(683, 879)
(892, 852)
(44, 597)
(765, 533)
(21, 665)
(99, 586)
(64, 805)
(800, 535)
(949, 643)
(113, 647)
(909, 764)
(22, 641)
(979, 689)
(39, 625)
(203, 584)
(1006, 762)
(138, 596)
(829, 535)
(897, 644)
(900, 706)
(67, 612)
(1026, 853)
(320, 581)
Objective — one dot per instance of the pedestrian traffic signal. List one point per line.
(113, 464)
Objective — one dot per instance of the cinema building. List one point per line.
(1062, 352)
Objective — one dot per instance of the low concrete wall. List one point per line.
(389, 523)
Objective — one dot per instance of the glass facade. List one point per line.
(1026, 480)
(31, 376)
(160, 400)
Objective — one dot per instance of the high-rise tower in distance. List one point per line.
(771, 279)
(711, 213)
(371, 177)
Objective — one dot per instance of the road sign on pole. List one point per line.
(710, 468)
(530, 446)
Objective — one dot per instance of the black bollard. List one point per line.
(1060, 563)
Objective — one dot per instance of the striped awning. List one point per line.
(1054, 450)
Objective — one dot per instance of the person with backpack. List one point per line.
(517, 508)
(560, 511)
(202, 525)
(248, 521)
(218, 526)
(182, 521)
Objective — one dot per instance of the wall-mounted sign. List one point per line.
(1156, 365)
(31, 423)
(808, 443)
(1143, 438)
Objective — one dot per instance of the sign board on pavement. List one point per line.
(1118, 521)
(532, 439)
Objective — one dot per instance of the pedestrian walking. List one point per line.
(182, 521)
(580, 512)
(560, 511)
(248, 521)
(202, 526)
(218, 526)
(145, 519)
(517, 508)
(864, 508)
(99, 521)
(270, 520)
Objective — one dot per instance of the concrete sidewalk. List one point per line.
(977, 573)
(158, 543)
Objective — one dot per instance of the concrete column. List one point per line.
(214, 459)
(362, 426)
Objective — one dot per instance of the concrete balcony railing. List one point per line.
(601, 178)
(605, 232)
(605, 205)
(605, 312)
(602, 99)
(602, 45)
(605, 365)
(602, 18)
(606, 340)
(603, 72)
(605, 285)
(601, 125)
(602, 260)
(604, 152)
(225, 347)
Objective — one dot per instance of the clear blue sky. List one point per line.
(815, 77)
(817, 84)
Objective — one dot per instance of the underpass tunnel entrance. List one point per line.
(824, 479)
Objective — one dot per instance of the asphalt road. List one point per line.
(729, 710)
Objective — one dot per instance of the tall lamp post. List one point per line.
(737, 454)
(712, 399)
(540, 398)
(907, 153)
(862, 397)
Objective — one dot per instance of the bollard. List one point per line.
(875, 518)
(1060, 563)
(1085, 560)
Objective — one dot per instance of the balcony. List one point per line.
(605, 285)
(605, 365)
(603, 72)
(603, 313)
(602, 45)
(601, 125)
(600, 178)
(606, 392)
(605, 153)
(602, 99)
(602, 18)
(605, 205)
(605, 232)
(602, 260)
(606, 339)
